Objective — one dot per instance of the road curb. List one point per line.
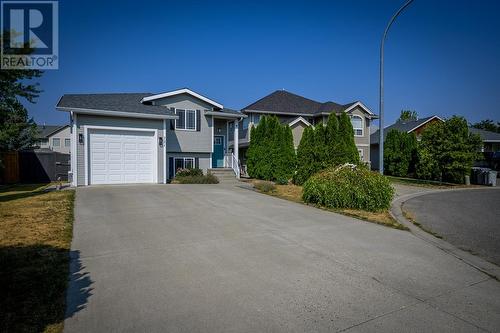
(474, 261)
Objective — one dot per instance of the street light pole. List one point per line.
(381, 96)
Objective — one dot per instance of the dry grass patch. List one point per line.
(35, 239)
(294, 193)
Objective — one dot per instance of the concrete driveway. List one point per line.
(467, 219)
(208, 258)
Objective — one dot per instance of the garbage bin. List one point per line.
(492, 178)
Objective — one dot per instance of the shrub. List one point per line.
(265, 186)
(189, 172)
(400, 153)
(195, 179)
(349, 186)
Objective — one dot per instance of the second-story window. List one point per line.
(186, 121)
(357, 125)
(56, 142)
(245, 123)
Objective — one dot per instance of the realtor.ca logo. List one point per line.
(29, 35)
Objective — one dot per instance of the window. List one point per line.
(357, 125)
(56, 142)
(256, 119)
(360, 151)
(183, 163)
(67, 142)
(217, 140)
(186, 121)
(43, 142)
(245, 123)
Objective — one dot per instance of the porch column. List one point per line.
(236, 144)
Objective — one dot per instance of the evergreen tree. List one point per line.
(305, 157)
(400, 150)
(332, 140)
(348, 153)
(320, 147)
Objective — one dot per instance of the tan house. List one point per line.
(299, 112)
(54, 137)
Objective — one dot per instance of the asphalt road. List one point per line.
(468, 219)
(212, 258)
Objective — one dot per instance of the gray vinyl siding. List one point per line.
(189, 141)
(203, 160)
(131, 123)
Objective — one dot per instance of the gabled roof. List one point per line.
(486, 136)
(182, 91)
(298, 119)
(123, 104)
(44, 131)
(284, 102)
(403, 126)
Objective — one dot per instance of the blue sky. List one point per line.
(442, 57)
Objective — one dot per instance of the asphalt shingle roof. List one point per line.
(123, 102)
(44, 131)
(286, 102)
(403, 126)
(485, 135)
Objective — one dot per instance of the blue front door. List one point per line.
(218, 155)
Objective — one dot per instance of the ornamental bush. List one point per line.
(196, 179)
(349, 186)
(189, 172)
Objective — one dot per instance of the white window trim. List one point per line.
(86, 146)
(185, 121)
(65, 140)
(361, 153)
(53, 145)
(362, 126)
(183, 162)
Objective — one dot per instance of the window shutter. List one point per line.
(170, 167)
(172, 121)
(197, 162)
(198, 120)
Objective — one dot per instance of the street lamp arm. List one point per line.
(381, 96)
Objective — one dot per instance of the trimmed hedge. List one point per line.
(189, 172)
(349, 186)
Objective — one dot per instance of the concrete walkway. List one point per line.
(208, 258)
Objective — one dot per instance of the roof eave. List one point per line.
(116, 113)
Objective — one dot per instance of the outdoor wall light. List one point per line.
(80, 138)
(160, 141)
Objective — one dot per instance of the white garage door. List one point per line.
(121, 157)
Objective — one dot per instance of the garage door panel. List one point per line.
(119, 157)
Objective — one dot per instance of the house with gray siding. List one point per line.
(54, 137)
(145, 138)
(298, 112)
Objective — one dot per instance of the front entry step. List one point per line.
(225, 175)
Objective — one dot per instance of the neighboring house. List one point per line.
(299, 112)
(408, 126)
(54, 137)
(145, 138)
(491, 140)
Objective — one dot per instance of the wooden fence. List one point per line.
(9, 168)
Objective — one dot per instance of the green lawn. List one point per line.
(35, 239)
(421, 182)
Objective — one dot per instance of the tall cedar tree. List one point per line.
(325, 146)
(332, 139)
(447, 151)
(400, 153)
(305, 157)
(348, 153)
(271, 155)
